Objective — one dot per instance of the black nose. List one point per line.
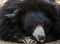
(41, 38)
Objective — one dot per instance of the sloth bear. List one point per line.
(37, 18)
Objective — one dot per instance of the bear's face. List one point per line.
(35, 23)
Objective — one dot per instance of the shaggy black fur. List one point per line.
(14, 14)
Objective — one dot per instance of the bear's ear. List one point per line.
(12, 14)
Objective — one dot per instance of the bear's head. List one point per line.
(36, 24)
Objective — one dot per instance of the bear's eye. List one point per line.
(29, 28)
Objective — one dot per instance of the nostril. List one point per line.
(41, 38)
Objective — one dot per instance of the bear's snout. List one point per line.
(39, 34)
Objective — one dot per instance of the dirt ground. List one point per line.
(56, 42)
